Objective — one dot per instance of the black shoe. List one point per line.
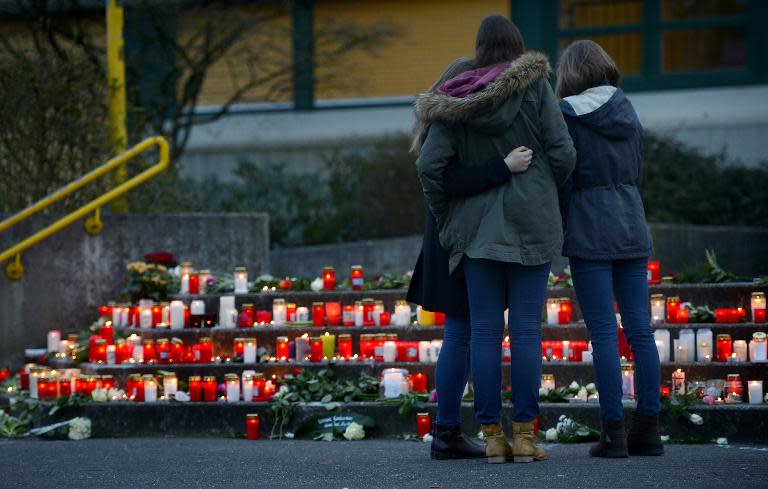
(613, 441)
(448, 442)
(643, 438)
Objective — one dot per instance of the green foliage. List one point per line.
(332, 426)
(149, 281)
(408, 403)
(708, 273)
(678, 404)
(700, 314)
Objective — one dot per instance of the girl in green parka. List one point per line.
(504, 239)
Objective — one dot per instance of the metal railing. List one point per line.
(93, 225)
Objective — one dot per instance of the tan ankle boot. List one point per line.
(524, 448)
(497, 447)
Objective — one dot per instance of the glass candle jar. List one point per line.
(654, 272)
(163, 351)
(734, 389)
(704, 340)
(628, 381)
(678, 382)
(252, 424)
(419, 382)
(107, 332)
(241, 280)
(263, 317)
(194, 283)
(423, 424)
(757, 303)
(348, 315)
(757, 347)
(136, 388)
(315, 349)
(673, 307)
(249, 350)
(378, 309)
(204, 275)
(290, 312)
(657, 308)
(329, 278)
(333, 313)
(402, 316)
(368, 307)
(209, 388)
(195, 388)
(356, 277)
(755, 391)
(553, 311)
(662, 338)
(345, 346)
(259, 387)
(279, 315)
(506, 350)
(565, 314)
(177, 351)
(238, 347)
(249, 313)
(378, 347)
(318, 314)
(150, 388)
(206, 350)
(739, 351)
(394, 382)
(170, 385)
(724, 347)
(282, 348)
(148, 354)
(359, 314)
(548, 382)
(329, 345)
(100, 350)
(232, 383)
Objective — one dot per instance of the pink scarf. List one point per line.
(472, 81)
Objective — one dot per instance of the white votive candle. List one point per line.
(249, 350)
(755, 391)
(54, 339)
(390, 351)
(553, 311)
(662, 344)
(150, 389)
(233, 387)
(170, 385)
(177, 315)
(424, 351)
(241, 280)
(740, 350)
(197, 307)
(704, 345)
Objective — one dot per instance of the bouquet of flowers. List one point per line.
(149, 281)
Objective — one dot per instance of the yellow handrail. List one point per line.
(15, 270)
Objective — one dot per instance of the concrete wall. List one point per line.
(739, 249)
(70, 274)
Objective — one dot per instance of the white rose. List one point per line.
(182, 396)
(574, 386)
(480, 435)
(591, 388)
(99, 395)
(115, 394)
(543, 391)
(427, 438)
(354, 432)
(582, 395)
(722, 441)
(80, 429)
(664, 438)
(696, 419)
(317, 284)
(551, 434)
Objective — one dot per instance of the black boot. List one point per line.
(448, 442)
(613, 441)
(643, 438)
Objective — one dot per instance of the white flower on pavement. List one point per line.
(696, 419)
(354, 431)
(551, 434)
(427, 438)
(317, 284)
(80, 429)
(582, 395)
(591, 388)
(722, 441)
(574, 386)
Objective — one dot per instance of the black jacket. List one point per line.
(601, 205)
(432, 287)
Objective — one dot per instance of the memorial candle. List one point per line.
(247, 386)
(423, 424)
(157, 315)
(111, 357)
(195, 388)
(177, 351)
(662, 344)
(194, 283)
(145, 317)
(389, 350)
(628, 381)
(259, 387)
(177, 314)
(249, 350)
(329, 278)
(378, 348)
(673, 307)
(740, 350)
(206, 350)
(333, 313)
(204, 275)
(704, 341)
(724, 347)
(238, 345)
(426, 318)
(359, 314)
(301, 347)
(506, 350)
(290, 312)
(678, 382)
(252, 424)
(148, 355)
(163, 351)
(279, 315)
(565, 315)
(100, 350)
(548, 382)
(757, 303)
(755, 391)
(654, 272)
(170, 385)
(553, 311)
(318, 314)
(150, 388)
(282, 348)
(419, 382)
(209, 388)
(241, 280)
(402, 315)
(757, 347)
(315, 349)
(348, 315)
(378, 309)
(329, 345)
(53, 340)
(122, 351)
(734, 390)
(368, 307)
(356, 277)
(196, 307)
(345, 346)
(232, 382)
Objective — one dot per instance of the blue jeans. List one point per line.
(452, 370)
(596, 284)
(492, 286)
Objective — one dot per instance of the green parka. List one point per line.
(518, 222)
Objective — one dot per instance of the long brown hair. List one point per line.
(498, 40)
(454, 69)
(584, 64)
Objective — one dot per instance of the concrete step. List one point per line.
(739, 423)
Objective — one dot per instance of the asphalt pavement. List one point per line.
(208, 463)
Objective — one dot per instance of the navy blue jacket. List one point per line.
(601, 205)
(432, 287)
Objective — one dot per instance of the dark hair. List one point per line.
(498, 40)
(584, 64)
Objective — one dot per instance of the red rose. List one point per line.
(161, 258)
(285, 284)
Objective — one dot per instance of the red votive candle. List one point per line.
(209, 388)
(263, 316)
(206, 350)
(136, 391)
(107, 332)
(315, 349)
(177, 351)
(673, 307)
(23, 379)
(419, 382)
(723, 315)
(624, 349)
(368, 306)
(149, 350)
(665, 391)
(163, 351)
(318, 314)
(100, 350)
(439, 318)
(682, 315)
(333, 313)
(65, 386)
(105, 312)
(195, 388)
(157, 315)
(122, 351)
(290, 312)
(565, 314)
(758, 316)
(4, 374)
(243, 321)
(356, 277)
(385, 318)
(259, 384)
(654, 272)
(252, 424)
(345, 346)
(107, 382)
(423, 424)
(194, 283)
(282, 348)
(250, 312)
(239, 347)
(329, 278)
(348, 315)
(724, 347)
(92, 347)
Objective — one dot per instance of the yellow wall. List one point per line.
(434, 33)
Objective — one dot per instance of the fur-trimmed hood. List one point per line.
(521, 73)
